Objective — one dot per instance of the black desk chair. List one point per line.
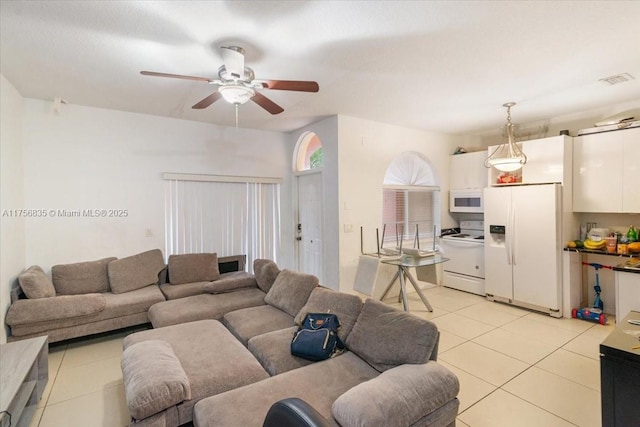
(294, 412)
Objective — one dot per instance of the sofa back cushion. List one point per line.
(291, 291)
(385, 337)
(36, 284)
(346, 306)
(266, 272)
(135, 272)
(82, 277)
(191, 268)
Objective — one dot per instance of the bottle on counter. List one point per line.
(632, 234)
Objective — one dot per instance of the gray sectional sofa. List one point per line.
(228, 368)
(97, 296)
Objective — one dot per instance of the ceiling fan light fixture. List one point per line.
(507, 157)
(236, 94)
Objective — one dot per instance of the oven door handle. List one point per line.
(461, 242)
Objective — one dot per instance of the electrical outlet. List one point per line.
(348, 228)
(148, 232)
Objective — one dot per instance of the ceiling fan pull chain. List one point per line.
(236, 117)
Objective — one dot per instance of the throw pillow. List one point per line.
(36, 284)
(404, 394)
(266, 272)
(191, 268)
(135, 272)
(153, 377)
(291, 291)
(346, 306)
(385, 337)
(81, 277)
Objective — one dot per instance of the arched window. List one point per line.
(411, 202)
(308, 154)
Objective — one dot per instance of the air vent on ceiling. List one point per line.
(618, 78)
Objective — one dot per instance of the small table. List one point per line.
(23, 376)
(404, 263)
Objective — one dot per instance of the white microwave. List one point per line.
(466, 201)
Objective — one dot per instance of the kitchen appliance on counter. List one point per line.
(465, 269)
(523, 259)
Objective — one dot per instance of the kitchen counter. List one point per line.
(632, 265)
(625, 264)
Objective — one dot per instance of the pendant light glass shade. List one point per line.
(507, 157)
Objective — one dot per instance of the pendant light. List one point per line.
(507, 157)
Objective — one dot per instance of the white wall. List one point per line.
(90, 158)
(12, 242)
(365, 151)
(327, 131)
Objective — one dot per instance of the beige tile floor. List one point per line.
(516, 368)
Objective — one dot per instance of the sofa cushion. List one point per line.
(398, 397)
(273, 351)
(386, 337)
(82, 277)
(291, 291)
(36, 284)
(319, 384)
(253, 321)
(182, 291)
(212, 358)
(203, 306)
(230, 282)
(266, 272)
(120, 311)
(153, 378)
(62, 307)
(346, 306)
(135, 272)
(189, 268)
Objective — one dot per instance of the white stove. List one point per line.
(465, 269)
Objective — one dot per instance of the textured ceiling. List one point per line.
(444, 66)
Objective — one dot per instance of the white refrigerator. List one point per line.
(523, 248)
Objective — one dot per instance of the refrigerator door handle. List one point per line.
(507, 235)
(513, 235)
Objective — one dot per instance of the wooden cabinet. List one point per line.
(23, 376)
(606, 171)
(467, 171)
(548, 161)
(627, 293)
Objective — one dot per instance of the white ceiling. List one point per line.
(444, 66)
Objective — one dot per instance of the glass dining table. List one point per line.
(404, 263)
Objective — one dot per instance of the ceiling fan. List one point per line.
(237, 84)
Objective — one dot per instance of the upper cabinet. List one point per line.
(605, 174)
(468, 171)
(548, 161)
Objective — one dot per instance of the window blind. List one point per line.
(403, 210)
(229, 218)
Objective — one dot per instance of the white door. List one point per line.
(309, 232)
(497, 252)
(535, 237)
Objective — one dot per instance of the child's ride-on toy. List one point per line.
(594, 313)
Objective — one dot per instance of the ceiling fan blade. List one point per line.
(233, 57)
(175, 76)
(207, 101)
(267, 104)
(296, 85)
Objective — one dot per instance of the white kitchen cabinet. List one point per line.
(549, 160)
(467, 171)
(627, 293)
(606, 171)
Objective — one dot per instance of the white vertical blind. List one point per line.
(229, 218)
